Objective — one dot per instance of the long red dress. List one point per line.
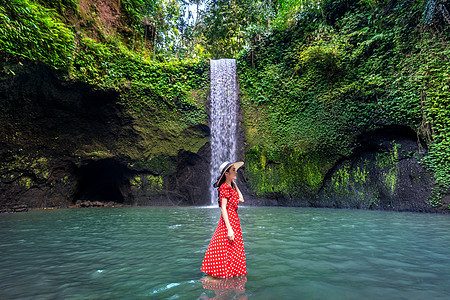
(223, 257)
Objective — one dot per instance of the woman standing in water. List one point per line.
(225, 256)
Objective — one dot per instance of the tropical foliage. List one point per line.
(377, 63)
(345, 68)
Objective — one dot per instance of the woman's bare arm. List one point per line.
(241, 198)
(223, 209)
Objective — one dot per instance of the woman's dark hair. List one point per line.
(222, 180)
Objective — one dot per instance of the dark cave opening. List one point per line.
(104, 180)
(382, 138)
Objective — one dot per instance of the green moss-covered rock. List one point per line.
(63, 141)
(289, 175)
(382, 173)
(318, 87)
(79, 97)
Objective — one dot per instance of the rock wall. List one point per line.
(63, 141)
(384, 172)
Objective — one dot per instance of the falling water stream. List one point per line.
(224, 104)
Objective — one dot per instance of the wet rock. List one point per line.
(383, 172)
(88, 203)
(15, 209)
(19, 208)
(61, 141)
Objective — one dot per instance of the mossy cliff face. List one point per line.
(62, 141)
(292, 175)
(385, 171)
(313, 93)
(88, 113)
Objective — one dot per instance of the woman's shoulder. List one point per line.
(225, 186)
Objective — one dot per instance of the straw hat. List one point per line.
(223, 167)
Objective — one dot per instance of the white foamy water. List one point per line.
(224, 104)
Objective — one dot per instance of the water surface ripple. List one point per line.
(156, 253)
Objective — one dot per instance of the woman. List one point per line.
(225, 256)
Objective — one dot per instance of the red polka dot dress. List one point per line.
(223, 257)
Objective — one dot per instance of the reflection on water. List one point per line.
(225, 288)
(156, 253)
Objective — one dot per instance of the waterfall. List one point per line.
(224, 110)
